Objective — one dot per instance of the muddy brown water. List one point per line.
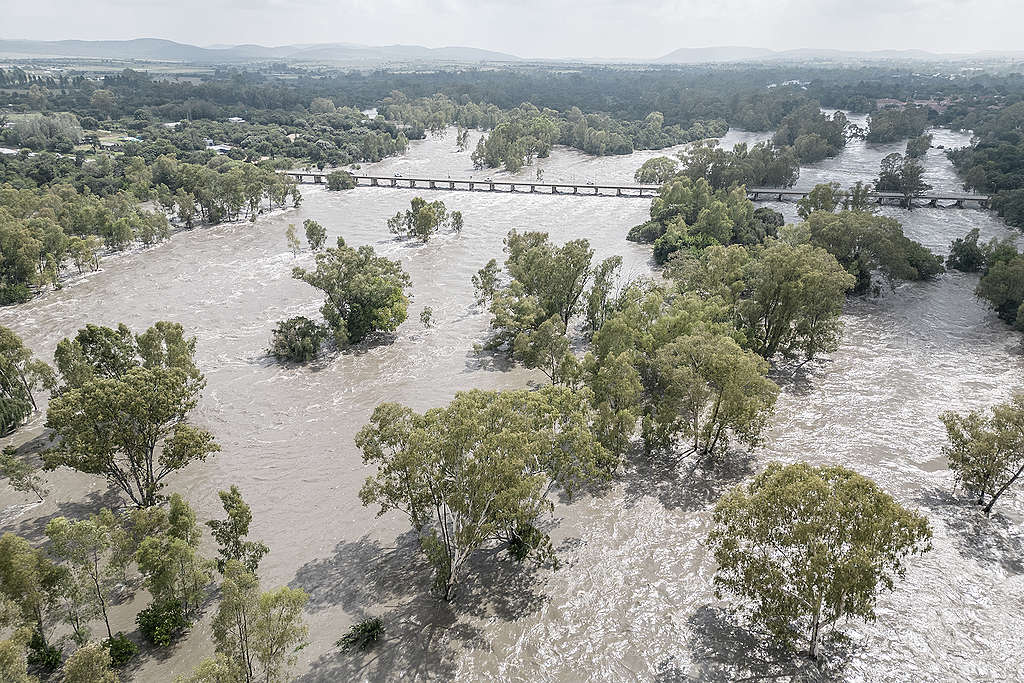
(633, 600)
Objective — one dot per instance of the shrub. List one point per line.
(362, 635)
(161, 622)
(297, 339)
(121, 648)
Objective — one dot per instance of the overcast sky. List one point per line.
(537, 28)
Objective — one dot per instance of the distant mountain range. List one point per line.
(701, 55)
(155, 49)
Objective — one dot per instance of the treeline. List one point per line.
(994, 162)
(66, 220)
(890, 125)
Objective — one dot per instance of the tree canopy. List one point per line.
(804, 547)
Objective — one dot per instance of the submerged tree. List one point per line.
(123, 409)
(423, 219)
(256, 634)
(230, 533)
(805, 547)
(985, 453)
(86, 547)
(479, 470)
(365, 292)
(20, 376)
(904, 175)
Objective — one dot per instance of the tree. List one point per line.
(340, 180)
(786, 298)
(903, 175)
(710, 389)
(547, 348)
(986, 454)
(21, 475)
(824, 197)
(297, 339)
(486, 282)
(804, 547)
(104, 102)
(656, 171)
(966, 255)
(316, 234)
(258, 633)
(170, 563)
(30, 580)
(365, 292)
(216, 669)
(90, 664)
(918, 147)
(292, 239)
(479, 469)
(20, 376)
(423, 219)
(131, 430)
(13, 662)
(231, 532)
(86, 547)
(864, 243)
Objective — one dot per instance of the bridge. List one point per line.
(757, 194)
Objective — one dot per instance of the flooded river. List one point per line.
(633, 600)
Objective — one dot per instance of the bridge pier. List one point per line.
(512, 188)
(318, 179)
(533, 188)
(373, 182)
(432, 185)
(451, 184)
(959, 204)
(492, 187)
(933, 203)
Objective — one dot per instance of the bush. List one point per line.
(297, 339)
(17, 293)
(362, 635)
(121, 648)
(340, 180)
(160, 623)
(13, 412)
(42, 656)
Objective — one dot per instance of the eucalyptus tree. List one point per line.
(805, 547)
(230, 533)
(122, 409)
(479, 470)
(21, 375)
(986, 453)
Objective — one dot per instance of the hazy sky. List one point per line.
(536, 28)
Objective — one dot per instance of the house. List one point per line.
(236, 119)
(220, 149)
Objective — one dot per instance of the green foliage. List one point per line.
(547, 349)
(86, 547)
(297, 339)
(805, 547)
(316, 234)
(362, 635)
(162, 622)
(172, 568)
(656, 171)
(823, 197)
(864, 243)
(365, 292)
(340, 180)
(122, 650)
(292, 239)
(763, 165)
(545, 281)
(813, 135)
(986, 453)
(427, 317)
(131, 429)
(967, 255)
(918, 147)
(31, 581)
(20, 376)
(480, 468)
(216, 669)
(90, 664)
(424, 219)
(42, 655)
(21, 475)
(786, 299)
(904, 175)
(230, 533)
(890, 125)
(258, 633)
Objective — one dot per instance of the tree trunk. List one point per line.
(1002, 489)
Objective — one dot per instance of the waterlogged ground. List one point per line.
(633, 600)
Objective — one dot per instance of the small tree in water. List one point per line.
(985, 453)
(805, 547)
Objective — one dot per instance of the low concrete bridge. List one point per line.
(757, 194)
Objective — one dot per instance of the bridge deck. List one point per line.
(604, 189)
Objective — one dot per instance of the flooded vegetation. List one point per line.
(633, 598)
